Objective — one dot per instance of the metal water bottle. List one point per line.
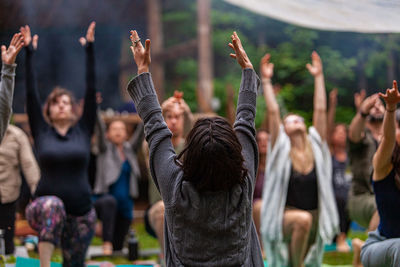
(133, 246)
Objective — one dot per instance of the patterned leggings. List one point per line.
(48, 217)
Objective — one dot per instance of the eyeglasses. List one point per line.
(294, 119)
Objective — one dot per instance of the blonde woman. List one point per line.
(299, 211)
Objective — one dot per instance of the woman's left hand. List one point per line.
(240, 55)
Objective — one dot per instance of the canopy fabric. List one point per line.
(367, 16)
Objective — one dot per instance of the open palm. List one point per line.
(316, 67)
(8, 55)
(266, 68)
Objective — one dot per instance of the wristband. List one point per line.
(364, 115)
(391, 110)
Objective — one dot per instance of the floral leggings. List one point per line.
(48, 217)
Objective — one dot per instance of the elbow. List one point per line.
(273, 108)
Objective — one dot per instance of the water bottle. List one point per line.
(133, 246)
(2, 248)
(2, 243)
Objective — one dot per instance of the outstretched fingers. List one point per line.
(135, 39)
(91, 31)
(147, 47)
(14, 39)
(19, 44)
(265, 59)
(35, 41)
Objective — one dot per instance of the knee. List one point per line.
(156, 213)
(257, 206)
(303, 221)
(109, 202)
(47, 205)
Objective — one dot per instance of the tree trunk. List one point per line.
(156, 36)
(205, 68)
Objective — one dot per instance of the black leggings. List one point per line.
(115, 227)
(7, 221)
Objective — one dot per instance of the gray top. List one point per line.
(361, 155)
(109, 162)
(6, 95)
(203, 229)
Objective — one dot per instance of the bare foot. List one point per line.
(357, 244)
(107, 248)
(341, 244)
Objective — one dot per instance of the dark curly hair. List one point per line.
(212, 158)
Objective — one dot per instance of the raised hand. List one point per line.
(368, 103)
(266, 68)
(26, 33)
(89, 34)
(315, 68)
(240, 55)
(333, 96)
(359, 98)
(141, 54)
(392, 97)
(9, 55)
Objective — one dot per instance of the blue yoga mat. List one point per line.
(28, 262)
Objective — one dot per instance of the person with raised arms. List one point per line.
(382, 248)
(299, 212)
(8, 56)
(62, 212)
(208, 188)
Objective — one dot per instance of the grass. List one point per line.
(145, 242)
(148, 242)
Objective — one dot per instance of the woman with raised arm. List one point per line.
(62, 211)
(382, 247)
(8, 56)
(299, 212)
(208, 188)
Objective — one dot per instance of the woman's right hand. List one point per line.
(368, 103)
(141, 54)
(26, 33)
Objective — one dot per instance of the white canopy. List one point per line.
(368, 16)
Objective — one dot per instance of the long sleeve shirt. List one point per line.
(6, 95)
(64, 159)
(203, 229)
(15, 156)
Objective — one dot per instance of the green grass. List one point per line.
(147, 242)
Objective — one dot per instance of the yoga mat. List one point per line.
(323, 265)
(28, 262)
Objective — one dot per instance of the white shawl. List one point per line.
(277, 176)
